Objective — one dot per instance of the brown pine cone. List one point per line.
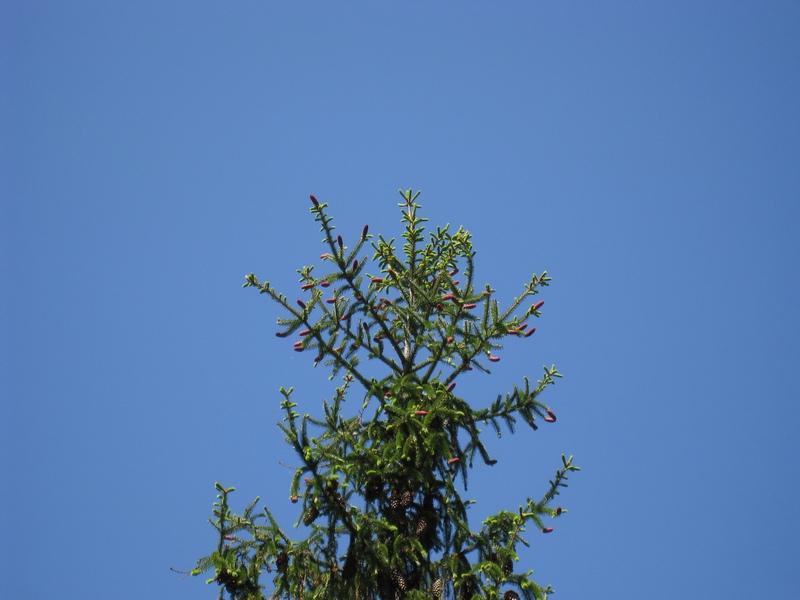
(399, 580)
(508, 567)
(422, 526)
(282, 561)
(311, 515)
(438, 587)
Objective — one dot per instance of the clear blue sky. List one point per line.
(645, 154)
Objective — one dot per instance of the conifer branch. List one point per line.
(389, 479)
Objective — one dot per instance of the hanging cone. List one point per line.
(399, 580)
(311, 515)
(508, 567)
(282, 562)
(438, 587)
(422, 526)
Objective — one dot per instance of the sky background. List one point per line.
(645, 154)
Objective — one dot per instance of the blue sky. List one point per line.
(645, 154)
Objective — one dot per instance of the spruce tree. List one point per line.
(381, 511)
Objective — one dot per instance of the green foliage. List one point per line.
(378, 488)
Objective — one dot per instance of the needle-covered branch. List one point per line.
(379, 485)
